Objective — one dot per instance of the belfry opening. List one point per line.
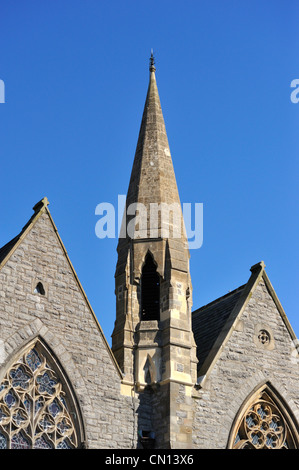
(150, 290)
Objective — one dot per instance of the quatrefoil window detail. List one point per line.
(264, 337)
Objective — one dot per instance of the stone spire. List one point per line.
(152, 178)
(153, 183)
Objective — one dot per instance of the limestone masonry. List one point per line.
(223, 376)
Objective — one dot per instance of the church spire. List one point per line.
(152, 178)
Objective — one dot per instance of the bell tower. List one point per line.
(152, 338)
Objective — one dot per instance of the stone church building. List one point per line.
(221, 377)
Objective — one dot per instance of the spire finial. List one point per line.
(152, 62)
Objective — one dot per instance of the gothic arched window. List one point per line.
(264, 425)
(150, 290)
(37, 410)
(39, 289)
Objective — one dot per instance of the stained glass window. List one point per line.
(42, 443)
(264, 426)
(3, 442)
(19, 441)
(34, 411)
(33, 360)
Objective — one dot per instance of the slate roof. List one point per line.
(208, 321)
(7, 248)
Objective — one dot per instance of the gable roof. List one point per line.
(7, 250)
(214, 323)
(208, 321)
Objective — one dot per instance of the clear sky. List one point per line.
(76, 76)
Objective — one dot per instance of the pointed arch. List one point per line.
(39, 289)
(150, 289)
(264, 421)
(38, 408)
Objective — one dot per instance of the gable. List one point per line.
(255, 305)
(41, 299)
(264, 323)
(37, 256)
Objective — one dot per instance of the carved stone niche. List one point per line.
(148, 354)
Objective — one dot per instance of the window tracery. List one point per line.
(35, 411)
(264, 426)
(264, 337)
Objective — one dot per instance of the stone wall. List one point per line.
(244, 364)
(64, 320)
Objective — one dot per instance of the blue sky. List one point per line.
(76, 76)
